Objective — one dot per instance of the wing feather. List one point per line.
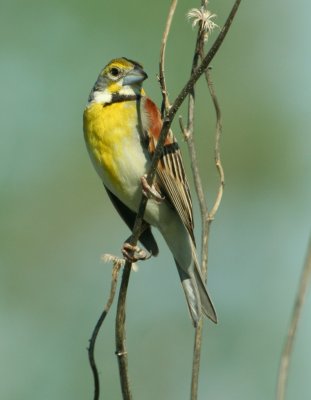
(171, 178)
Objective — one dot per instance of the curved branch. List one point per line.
(91, 349)
(165, 101)
(288, 347)
(212, 213)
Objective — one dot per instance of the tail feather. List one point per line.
(183, 249)
(196, 294)
(192, 295)
(206, 303)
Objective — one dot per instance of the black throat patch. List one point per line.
(118, 98)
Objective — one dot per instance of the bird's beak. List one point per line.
(137, 75)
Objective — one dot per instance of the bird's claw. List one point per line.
(150, 191)
(134, 253)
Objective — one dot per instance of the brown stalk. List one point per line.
(91, 349)
(165, 101)
(296, 314)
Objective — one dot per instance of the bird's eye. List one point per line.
(114, 72)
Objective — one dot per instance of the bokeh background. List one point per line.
(56, 220)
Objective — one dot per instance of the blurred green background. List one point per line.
(56, 220)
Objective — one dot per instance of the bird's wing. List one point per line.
(171, 178)
(128, 216)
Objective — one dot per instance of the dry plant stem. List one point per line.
(218, 163)
(91, 348)
(203, 210)
(167, 121)
(205, 226)
(188, 134)
(165, 101)
(288, 347)
(198, 185)
(120, 334)
(192, 151)
(196, 360)
(207, 217)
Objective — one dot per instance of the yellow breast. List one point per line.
(106, 131)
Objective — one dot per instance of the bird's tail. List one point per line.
(183, 249)
(196, 294)
(206, 303)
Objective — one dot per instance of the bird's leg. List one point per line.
(134, 253)
(150, 191)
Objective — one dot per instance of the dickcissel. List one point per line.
(121, 128)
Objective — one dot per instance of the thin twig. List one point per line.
(205, 215)
(189, 136)
(208, 217)
(196, 361)
(296, 313)
(212, 213)
(165, 101)
(120, 334)
(91, 349)
(167, 121)
(199, 49)
(187, 133)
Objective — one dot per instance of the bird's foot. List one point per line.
(134, 253)
(150, 191)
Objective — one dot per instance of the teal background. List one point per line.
(56, 220)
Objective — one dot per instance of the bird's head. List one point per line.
(120, 77)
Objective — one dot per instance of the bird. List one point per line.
(121, 128)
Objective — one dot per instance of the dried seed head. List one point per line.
(204, 18)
